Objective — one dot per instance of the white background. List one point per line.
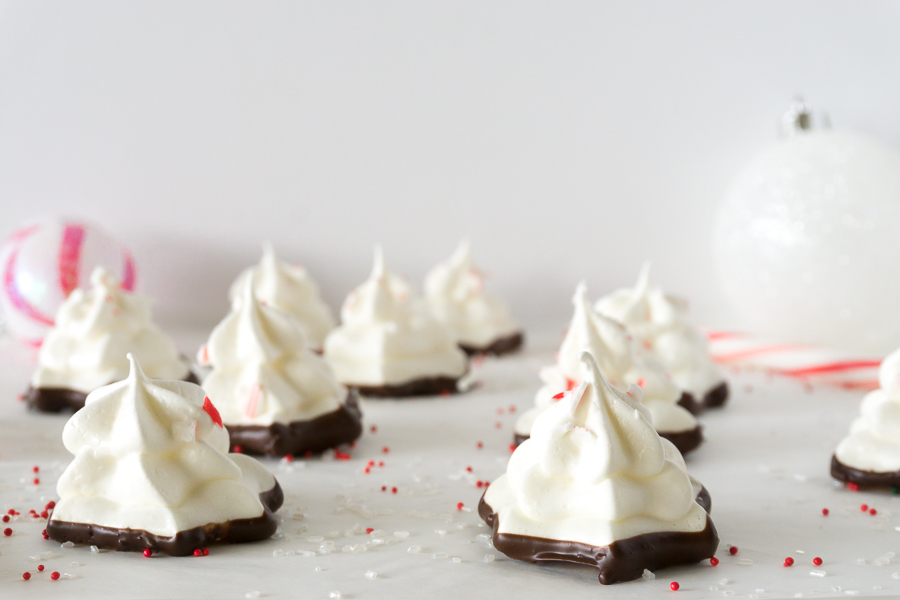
(567, 139)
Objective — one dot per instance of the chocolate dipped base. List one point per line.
(301, 438)
(622, 560)
(504, 345)
(685, 441)
(864, 479)
(714, 398)
(182, 543)
(55, 400)
(425, 386)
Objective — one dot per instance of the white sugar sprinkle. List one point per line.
(441, 531)
(335, 595)
(439, 555)
(818, 573)
(414, 549)
(401, 534)
(371, 574)
(488, 558)
(745, 562)
(252, 595)
(95, 549)
(648, 575)
(305, 553)
(456, 559)
(67, 545)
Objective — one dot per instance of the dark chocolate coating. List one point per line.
(55, 400)
(499, 347)
(622, 560)
(300, 438)
(426, 386)
(690, 404)
(685, 441)
(182, 543)
(716, 397)
(864, 479)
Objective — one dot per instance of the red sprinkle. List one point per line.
(289, 458)
(864, 507)
(385, 450)
(341, 455)
(26, 575)
(512, 408)
(498, 424)
(479, 445)
(237, 450)
(817, 561)
(559, 396)
(35, 469)
(674, 586)
(50, 505)
(714, 561)
(384, 488)
(40, 567)
(733, 550)
(373, 428)
(788, 561)
(479, 483)
(36, 481)
(6, 518)
(459, 506)
(853, 487)
(11, 512)
(469, 469)
(198, 552)
(206, 552)
(54, 575)
(393, 490)
(369, 530)
(873, 512)
(512, 447)
(825, 512)
(7, 532)
(371, 463)
(44, 514)
(44, 533)
(148, 552)
(500, 411)
(367, 470)
(380, 463)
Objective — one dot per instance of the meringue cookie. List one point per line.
(94, 331)
(387, 345)
(660, 321)
(151, 470)
(291, 289)
(454, 291)
(264, 374)
(593, 474)
(870, 455)
(613, 347)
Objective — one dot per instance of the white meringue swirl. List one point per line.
(594, 471)
(660, 321)
(94, 331)
(263, 372)
(385, 336)
(151, 455)
(613, 347)
(874, 440)
(291, 289)
(454, 291)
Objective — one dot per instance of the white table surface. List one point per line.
(765, 463)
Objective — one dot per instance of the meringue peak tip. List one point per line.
(378, 267)
(463, 249)
(134, 367)
(581, 293)
(643, 280)
(594, 375)
(103, 276)
(268, 250)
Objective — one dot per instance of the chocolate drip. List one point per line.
(499, 347)
(622, 560)
(182, 543)
(690, 404)
(55, 399)
(864, 479)
(300, 438)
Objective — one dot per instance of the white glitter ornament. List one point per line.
(43, 261)
(807, 243)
